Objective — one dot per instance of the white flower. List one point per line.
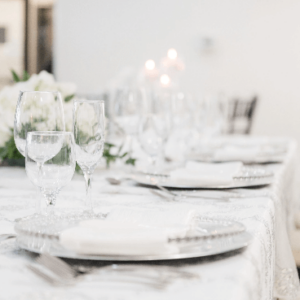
(68, 109)
(43, 81)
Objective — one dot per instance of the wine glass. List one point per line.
(55, 150)
(37, 111)
(161, 110)
(89, 129)
(150, 138)
(213, 116)
(128, 106)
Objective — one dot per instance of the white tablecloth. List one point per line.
(265, 269)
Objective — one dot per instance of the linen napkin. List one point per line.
(231, 153)
(129, 231)
(205, 174)
(248, 153)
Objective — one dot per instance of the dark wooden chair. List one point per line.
(241, 111)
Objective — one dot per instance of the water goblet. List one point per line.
(150, 138)
(37, 111)
(128, 106)
(161, 110)
(89, 129)
(55, 151)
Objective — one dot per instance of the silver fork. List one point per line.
(57, 266)
(48, 278)
(6, 236)
(67, 274)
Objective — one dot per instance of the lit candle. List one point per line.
(172, 54)
(150, 65)
(150, 70)
(172, 61)
(165, 80)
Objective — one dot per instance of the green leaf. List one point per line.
(130, 161)
(123, 155)
(26, 75)
(9, 150)
(109, 145)
(69, 98)
(16, 78)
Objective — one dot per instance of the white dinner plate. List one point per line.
(248, 177)
(259, 159)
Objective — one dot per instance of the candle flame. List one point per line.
(150, 64)
(172, 53)
(165, 79)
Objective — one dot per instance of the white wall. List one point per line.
(11, 52)
(256, 48)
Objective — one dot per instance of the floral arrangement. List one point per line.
(43, 81)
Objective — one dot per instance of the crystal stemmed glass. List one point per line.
(127, 108)
(150, 137)
(37, 111)
(89, 129)
(161, 110)
(55, 149)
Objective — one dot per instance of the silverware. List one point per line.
(57, 266)
(129, 273)
(42, 274)
(165, 196)
(113, 181)
(171, 196)
(13, 221)
(5, 236)
(69, 275)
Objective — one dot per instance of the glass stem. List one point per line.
(88, 187)
(154, 164)
(50, 200)
(130, 142)
(38, 204)
(50, 208)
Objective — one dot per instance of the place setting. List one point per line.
(121, 234)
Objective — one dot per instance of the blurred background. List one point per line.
(239, 48)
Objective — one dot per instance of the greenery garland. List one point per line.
(10, 156)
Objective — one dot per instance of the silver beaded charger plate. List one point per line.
(211, 237)
(247, 177)
(249, 161)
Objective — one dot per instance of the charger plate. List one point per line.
(211, 237)
(247, 177)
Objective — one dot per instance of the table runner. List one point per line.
(264, 269)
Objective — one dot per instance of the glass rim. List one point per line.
(86, 100)
(49, 133)
(40, 92)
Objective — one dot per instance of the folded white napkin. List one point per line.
(198, 174)
(230, 153)
(129, 232)
(240, 148)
